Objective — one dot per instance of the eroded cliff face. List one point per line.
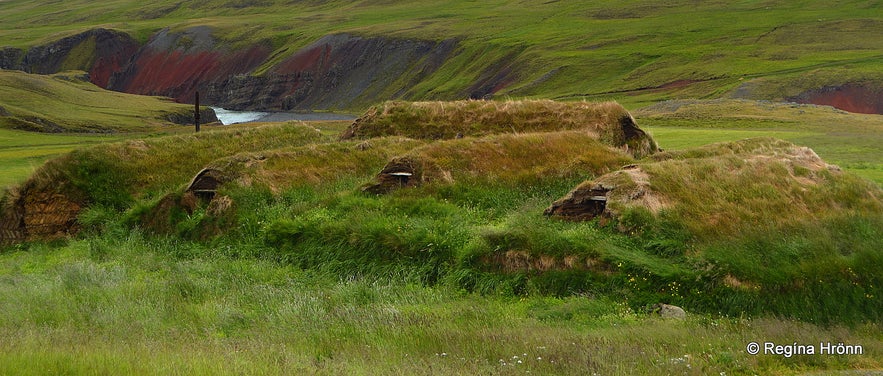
(336, 71)
(177, 64)
(864, 98)
(100, 52)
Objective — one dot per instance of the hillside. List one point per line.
(533, 187)
(67, 103)
(350, 55)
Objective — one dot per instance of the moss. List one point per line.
(81, 56)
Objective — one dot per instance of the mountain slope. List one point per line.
(68, 103)
(297, 55)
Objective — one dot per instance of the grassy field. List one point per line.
(67, 103)
(848, 140)
(294, 269)
(23, 152)
(123, 303)
(636, 52)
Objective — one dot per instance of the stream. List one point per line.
(228, 117)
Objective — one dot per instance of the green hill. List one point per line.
(69, 103)
(635, 52)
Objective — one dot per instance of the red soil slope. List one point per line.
(178, 73)
(859, 98)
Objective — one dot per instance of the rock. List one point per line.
(10, 58)
(178, 63)
(668, 311)
(335, 71)
(106, 51)
(206, 116)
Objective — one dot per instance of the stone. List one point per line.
(668, 311)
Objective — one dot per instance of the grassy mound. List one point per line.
(759, 226)
(68, 103)
(504, 159)
(608, 122)
(848, 140)
(116, 175)
(204, 208)
(775, 226)
(722, 189)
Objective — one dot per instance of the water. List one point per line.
(228, 117)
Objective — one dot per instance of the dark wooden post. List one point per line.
(196, 111)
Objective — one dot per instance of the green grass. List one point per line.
(65, 103)
(116, 174)
(297, 270)
(847, 140)
(317, 277)
(23, 152)
(679, 138)
(139, 305)
(595, 50)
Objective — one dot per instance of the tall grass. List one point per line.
(305, 272)
(123, 302)
(481, 230)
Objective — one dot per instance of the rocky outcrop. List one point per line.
(206, 116)
(98, 51)
(177, 64)
(336, 71)
(10, 58)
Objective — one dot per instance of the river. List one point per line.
(228, 117)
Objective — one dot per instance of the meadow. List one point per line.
(23, 152)
(845, 139)
(305, 273)
(125, 303)
(68, 102)
(295, 265)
